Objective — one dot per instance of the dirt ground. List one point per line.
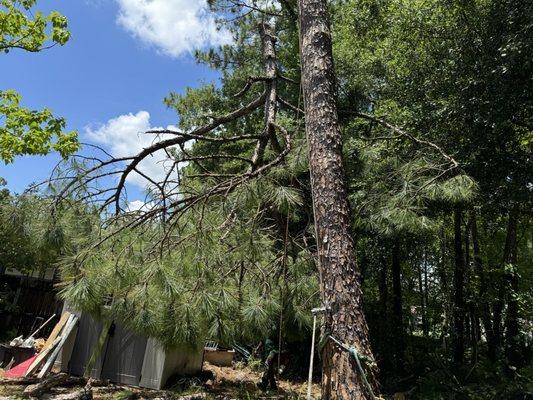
(236, 383)
(243, 381)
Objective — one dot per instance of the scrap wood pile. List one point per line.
(40, 364)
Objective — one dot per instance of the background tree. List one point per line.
(441, 71)
(26, 131)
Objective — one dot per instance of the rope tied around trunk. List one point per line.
(358, 357)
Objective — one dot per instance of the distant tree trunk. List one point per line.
(509, 260)
(471, 317)
(340, 280)
(458, 291)
(445, 290)
(240, 300)
(383, 288)
(397, 305)
(483, 304)
(422, 281)
(511, 322)
(384, 322)
(426, 292)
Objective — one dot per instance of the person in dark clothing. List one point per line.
(270, 354)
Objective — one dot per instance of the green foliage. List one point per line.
(31, 239)
(26, 131)
(195, 106)
(215, 283)
(454, 73)
(21, 28)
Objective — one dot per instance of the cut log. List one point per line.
(98, 383)
(45, 385)
(105, 390)
(65, 396)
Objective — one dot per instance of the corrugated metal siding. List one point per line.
(124, 357)
(88, 333)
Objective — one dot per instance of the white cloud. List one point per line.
(136, 205)
(139, 206)
(124, 136)
(174, 27)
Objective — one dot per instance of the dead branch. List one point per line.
(291, 107)
(249, 83)
(182, 138)
(17, 381)
(402, 133)
(268, 42)
(254, 8)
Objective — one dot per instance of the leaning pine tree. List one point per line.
(339, 277)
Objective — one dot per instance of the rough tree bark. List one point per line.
(340, 278)
(458, 291)
(471, 320)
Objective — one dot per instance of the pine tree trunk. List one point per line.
(423, 294)
(471, 318)
(384, 322)
(511, 321)
(397, 306)
(445, 290)
(383, 288)
(458, 292)
(268, 47)
(509, 258)
(426, 294)
(340, 280)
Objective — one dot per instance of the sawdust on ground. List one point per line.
(243, 376)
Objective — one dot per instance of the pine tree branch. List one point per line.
(402, 133)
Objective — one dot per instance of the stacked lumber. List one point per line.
(42, 363)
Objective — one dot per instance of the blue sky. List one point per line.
(110, 79)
